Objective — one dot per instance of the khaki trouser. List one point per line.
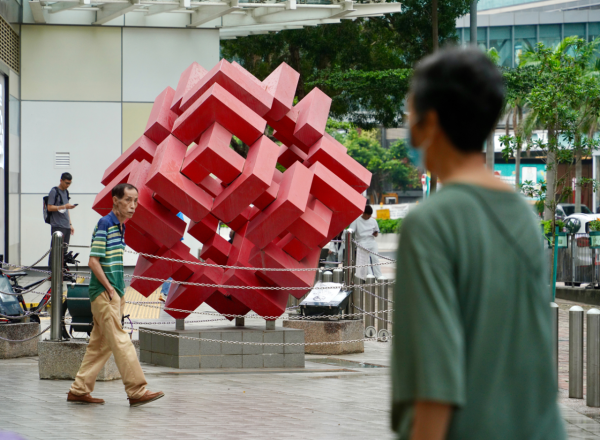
(109, 337)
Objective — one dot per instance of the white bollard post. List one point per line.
(576, 352)
(56, 266)
(593, 358)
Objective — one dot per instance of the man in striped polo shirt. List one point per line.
(107, 290)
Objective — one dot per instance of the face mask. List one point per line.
(418, 152)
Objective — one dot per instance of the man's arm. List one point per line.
(52, 199)
(431, 420)
(71, 224)
(96, 267)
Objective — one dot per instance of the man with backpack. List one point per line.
(57, 209)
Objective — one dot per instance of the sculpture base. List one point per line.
(330, 331)
(9, 350)
(61, 360)
(189, 354)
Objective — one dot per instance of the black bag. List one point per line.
(48, 214)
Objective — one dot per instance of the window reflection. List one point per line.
(550, 34)
(500, 39)
(525, 40)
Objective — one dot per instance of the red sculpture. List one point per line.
(281, 219)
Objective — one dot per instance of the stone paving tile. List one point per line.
(229, 405)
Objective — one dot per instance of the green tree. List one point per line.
(519, 83)
(366, 50)
(560, 102)
(390, 165)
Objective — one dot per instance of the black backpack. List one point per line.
(48, 214)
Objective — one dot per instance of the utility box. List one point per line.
(325, 299)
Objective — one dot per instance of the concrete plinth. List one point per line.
(189, 354)
(330, 331)
(26, 330)
(61, 360)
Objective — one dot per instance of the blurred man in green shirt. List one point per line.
(472, 329)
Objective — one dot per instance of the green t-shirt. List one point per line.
(108, 243)
(472, 324)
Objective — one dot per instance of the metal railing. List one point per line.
(578, 263)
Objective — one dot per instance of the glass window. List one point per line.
(550, 34)
(525, 39)
(575, 30)
(481, 37)
(593, 31)
(500, 39)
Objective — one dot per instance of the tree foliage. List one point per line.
(562, 99)
(350, 58)
(388, 165)
(366, 98)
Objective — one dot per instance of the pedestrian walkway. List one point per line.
(335, 397)
(136, 311)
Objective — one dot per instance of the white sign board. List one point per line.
(325, 294)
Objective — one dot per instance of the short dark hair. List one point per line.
(119, 190)
(466, 91)
(369, 210)
(66, 176)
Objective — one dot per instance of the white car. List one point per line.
(579, 224)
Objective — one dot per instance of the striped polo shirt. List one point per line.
(108, 243)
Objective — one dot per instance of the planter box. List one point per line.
(26, 330)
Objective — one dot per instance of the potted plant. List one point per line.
(562, 236)
(595, 233)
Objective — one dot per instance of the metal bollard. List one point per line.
(348, 255)
(319, 276)
(56, 266)
(369, 301)
(572, 260)
(382, 304)
(327, 277)
(593, 358)
(356, 295)
(576, 352)
(554, 308)
(348, 261)
(338, 276)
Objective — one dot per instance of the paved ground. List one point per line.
(332, 400)
(325, 402)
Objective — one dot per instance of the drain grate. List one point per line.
(345, 363)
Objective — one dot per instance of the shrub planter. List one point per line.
(561, 240)
(595, 239)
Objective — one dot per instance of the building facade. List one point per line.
(77, 83)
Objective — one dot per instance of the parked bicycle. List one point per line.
(37, 310)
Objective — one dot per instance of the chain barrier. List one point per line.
(27, 268)
(28, 339)
(262, 269)
(254, 316)
(25, 315)
(187, 283)
(271, 344)
(391, 260)
(373, 315)
(23, 293)
(373, 294)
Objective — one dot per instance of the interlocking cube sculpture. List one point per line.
(183, 163)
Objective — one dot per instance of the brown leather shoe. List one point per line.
(85, 399)
(146, 398)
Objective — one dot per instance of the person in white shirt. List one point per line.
(336, 249)
(366, 229)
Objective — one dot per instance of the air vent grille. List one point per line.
(62, 160)
(9, 45)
